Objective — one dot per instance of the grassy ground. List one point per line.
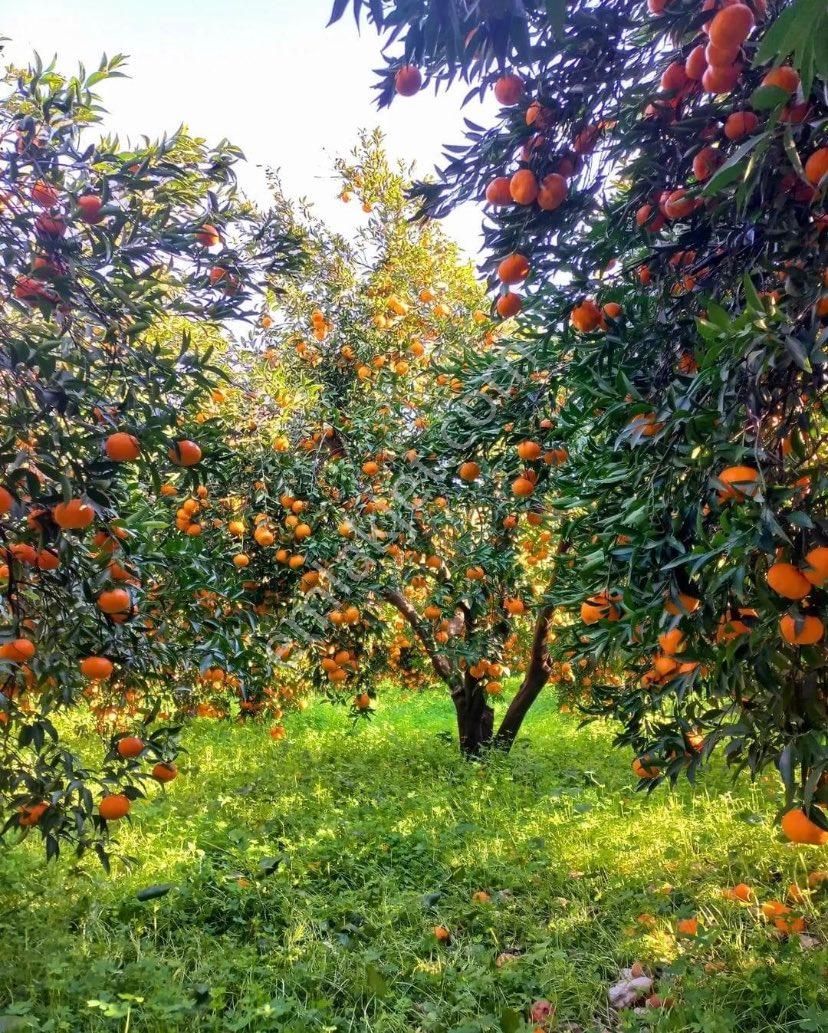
(308, 876)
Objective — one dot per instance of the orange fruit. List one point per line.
(741, 483)
(208, 235)
(600, 607)
(586, 317)
(552, 192)
(6, 500)
(114, 601)
(816, 566)
(696, 63)
(130, 747)
(498, 192)
(469, 471)
(689, 926)
(784, 77)
(114, 807)
(523, 187)
(185, 453)
(786, 580)
(678, 205)
(798, 828)
(739, 124)
(806, 631)
(513, 269)
(731, 26)
(673, 77)
(522, 486)
(529, 450)
(74, 515)
(671, 642)
(508, 90)
(31, 813)
(816, 167)
(685, 604)
(96, 667)
(643, 767)
(408, 80)
(720, 79)
(164, 772)
(18, 651)
(122, 447)
(441, 934)
(705, 163)
(508, 305)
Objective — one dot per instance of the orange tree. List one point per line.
(657, 178)
(115, 261)
(353, 501)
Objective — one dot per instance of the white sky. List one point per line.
(266, 74)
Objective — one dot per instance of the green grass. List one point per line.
(376, 837)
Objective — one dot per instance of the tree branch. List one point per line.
(441, 666)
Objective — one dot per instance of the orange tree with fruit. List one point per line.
(353, 501)
(116, 264)
(655, 196)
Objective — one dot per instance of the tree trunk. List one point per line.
(475, 718)
(537, 675)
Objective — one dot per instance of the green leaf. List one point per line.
(510, 1020)
(161, 889)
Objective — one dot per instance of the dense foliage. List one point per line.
(657, 179)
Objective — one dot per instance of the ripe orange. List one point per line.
(689, 926)
(720, 57)
(678, 205)
(31, 813)
(441, 934)
(705, 163)
(600, 607)
(523, 186)
(513, 269)
(263, 536)
(114, 601)
(469, 471)
(498, 192)
(804, 631)
(89, 208)
(522, 486)
(74, 515)
(241, 560)
(816, 566)
(720, 79)
(164, 772)
(741, 482)
(671, 642)
(514, 606)
(586, 317)
(685, 604)
(6, 500)
(731, 26)
(784, 77)
(798, 828)
(408, 80)
(122, 447)
(786, 580)
(114, 807)
(816, 167)
(208, 235)
(673, 77)
(44, 194)
(96, 667)
(18, 651)
(529, 450)
(696, 63)
(185, 453)
(552, 192)
(130, 747)
(508, 90)
(740, 124)
(643, 767)
(508, 305)
(362, 701)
